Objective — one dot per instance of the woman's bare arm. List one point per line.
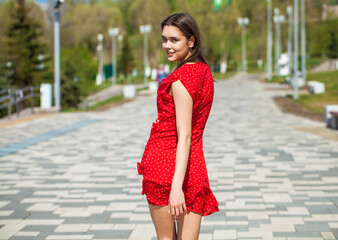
(183, 112)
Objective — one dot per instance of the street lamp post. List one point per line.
(243, 22)
(277, 18)
(57, 94)
(113, 32)
(289, 11)
(145, 29)
(303, 41)
(99, 78)
(269, 41)
(295, 54)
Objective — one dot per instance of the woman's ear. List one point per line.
(191, 41)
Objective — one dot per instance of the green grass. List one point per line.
(317, 102)
(99, 104)
(105, 102)
(140, 89)
(313, 62)
(219, 76)
(252, 67)
(276, 79)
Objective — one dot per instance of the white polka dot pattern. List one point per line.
(158, 162)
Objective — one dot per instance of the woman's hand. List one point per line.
(176, 201)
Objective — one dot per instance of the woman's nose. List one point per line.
(166, 44)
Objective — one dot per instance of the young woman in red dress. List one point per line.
(175, 178)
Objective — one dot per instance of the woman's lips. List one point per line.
(170, 54)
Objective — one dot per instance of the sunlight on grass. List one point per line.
(317, 102)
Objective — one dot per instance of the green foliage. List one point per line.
(333, 45)
(24, 48)
(125, 63)
(82, 23)
(4, 72)
(323, 38)
(78, 71)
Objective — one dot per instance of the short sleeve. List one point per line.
(187, 79)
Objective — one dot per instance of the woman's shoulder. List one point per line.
(190, 68)
(189, 71)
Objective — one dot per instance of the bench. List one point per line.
(316, 87)
(334, 119)
(331, 116)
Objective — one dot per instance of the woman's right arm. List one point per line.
(183, 113)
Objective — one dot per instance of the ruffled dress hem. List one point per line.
(199, 199)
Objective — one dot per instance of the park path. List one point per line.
(73, 176)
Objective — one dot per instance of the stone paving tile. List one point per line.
(272, 181)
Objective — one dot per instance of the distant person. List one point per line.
(175, 178)
(160, 74)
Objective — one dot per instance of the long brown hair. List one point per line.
(189, 28)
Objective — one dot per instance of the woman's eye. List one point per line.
(164, 40)
(174, 40)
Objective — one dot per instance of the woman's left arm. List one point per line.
(183, 112)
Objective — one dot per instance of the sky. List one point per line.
(43, 3)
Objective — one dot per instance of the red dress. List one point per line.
(158, 162)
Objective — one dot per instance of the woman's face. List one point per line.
(175, 44)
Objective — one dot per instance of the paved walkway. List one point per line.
(73, 176)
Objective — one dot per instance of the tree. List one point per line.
(333, 43)
(26, 51)
(126, 58)
(152, 12)
(82, 23)
(4, 72)
(78, 70)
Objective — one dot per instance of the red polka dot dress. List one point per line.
(158, 162)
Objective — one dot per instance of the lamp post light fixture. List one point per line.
(290, 19)
(113, 32)
(243, 22)
(145, 30)
(269, 42)
(41, 65)
(99, 77)
(277, 18)
(57, 87)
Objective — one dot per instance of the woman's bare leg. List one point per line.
(188, 226)
(163, 221)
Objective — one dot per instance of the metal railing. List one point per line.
(17, 97)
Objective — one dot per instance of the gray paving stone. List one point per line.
(335, 232)
(206, 229)
(120, 234)
(118, 220)
(76, 220)
(22, 238)
(313, 226)
(243, 228)
(108, 234)
(39, 228)
(42, 215)
(319, 210)
(257, 223)
(307, 234)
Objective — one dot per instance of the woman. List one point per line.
(175, 178)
